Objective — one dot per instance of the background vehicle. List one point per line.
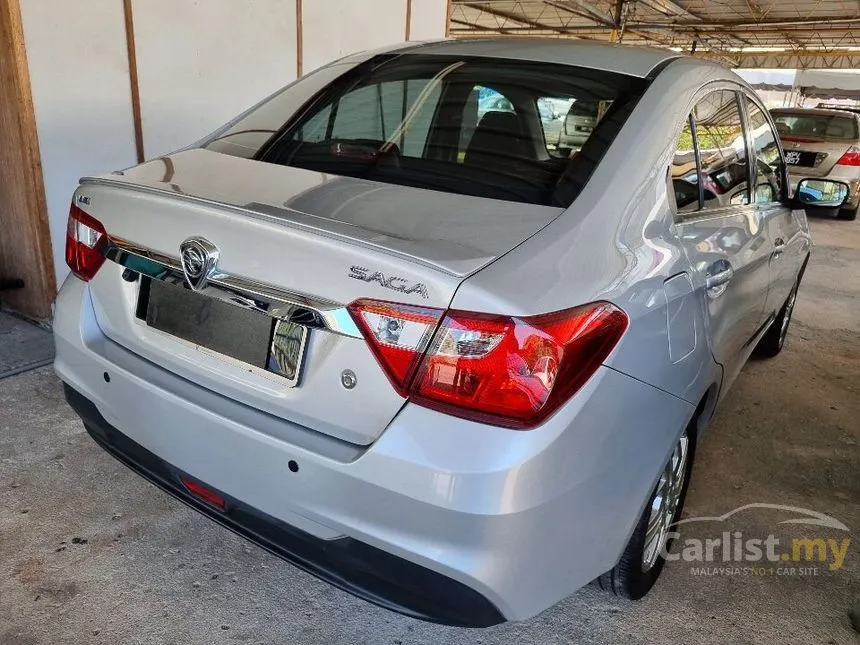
(579, 123)
(847, 108)
(823, 143)
(420, 353)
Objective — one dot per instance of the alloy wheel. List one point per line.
(665, 503)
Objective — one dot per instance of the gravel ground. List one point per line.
(90, 553)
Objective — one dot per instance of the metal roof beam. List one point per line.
(817, 23)
(669, 8)
(687, 32)
(585, 10)
(582, 9)
(788, 59)
(504, 15)
(477, 30)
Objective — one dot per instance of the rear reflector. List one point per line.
(796, 139)
(850, 158)
(501, 370)
(86, 239)
(203, 493)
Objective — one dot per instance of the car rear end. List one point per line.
(822, 143)
(578, 125)
(266, 326)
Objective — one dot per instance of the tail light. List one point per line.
(398, 336)
(850, 158)
(501, 370)
(86, 239)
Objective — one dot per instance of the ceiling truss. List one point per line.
(741, 33)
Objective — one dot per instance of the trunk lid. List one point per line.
(330, 239)
(813, 157)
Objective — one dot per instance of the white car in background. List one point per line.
(581, 119)
(822, 143)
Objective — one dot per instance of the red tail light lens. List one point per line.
(501, 370)
(850, 158)
(398, 336)
(515, 372)
(86, 239)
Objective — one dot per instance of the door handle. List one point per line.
(778, 246)
(717, 278)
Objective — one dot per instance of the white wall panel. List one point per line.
(201, 63)
(335, 28)
(428, 19)
(79, 75)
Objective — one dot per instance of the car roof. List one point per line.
(624, 59)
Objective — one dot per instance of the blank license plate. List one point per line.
(245, 335)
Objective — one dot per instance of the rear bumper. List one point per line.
(363, 570)
(853, 200)
(520, 519)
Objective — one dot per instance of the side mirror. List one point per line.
(821, 193)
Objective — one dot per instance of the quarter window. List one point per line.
(768, 160)
(684, 173)
(723, 160)
(552, 111)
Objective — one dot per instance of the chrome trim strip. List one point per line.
(240, 292)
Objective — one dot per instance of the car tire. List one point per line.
(849, 214)
(642, 561)
(773, 341)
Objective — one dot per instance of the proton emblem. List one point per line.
(199, 259)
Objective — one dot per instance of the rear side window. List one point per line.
(485, 127)
(811, 126)
(552, 111)
(723, 160)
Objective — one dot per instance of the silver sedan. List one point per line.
(423, 353)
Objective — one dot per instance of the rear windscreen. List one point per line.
(485, 127)
(816, 126)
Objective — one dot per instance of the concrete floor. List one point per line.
(23, 346)
(91, 553)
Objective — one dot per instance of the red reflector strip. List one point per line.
(203, 493)
(794, 139)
